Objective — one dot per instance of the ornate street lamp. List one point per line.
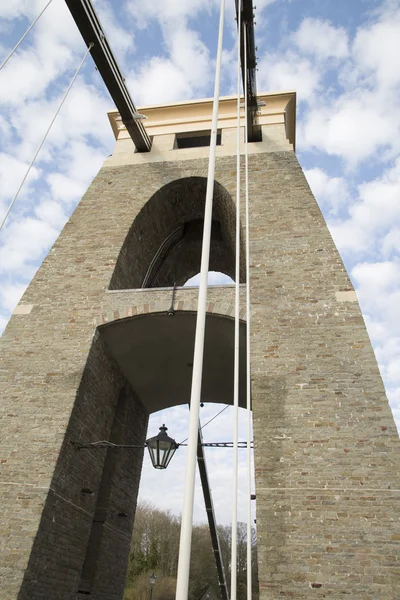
(161, 449)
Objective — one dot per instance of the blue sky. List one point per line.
(341, 57)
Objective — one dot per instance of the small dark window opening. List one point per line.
(195, 139)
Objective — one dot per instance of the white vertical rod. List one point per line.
(5, 61)
(248, 365)
(182, 585)
(45, 136)
(236, 340)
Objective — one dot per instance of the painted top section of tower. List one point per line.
(175, 128)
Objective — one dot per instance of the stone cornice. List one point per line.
(195, 115)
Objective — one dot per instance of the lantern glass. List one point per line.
(161, 449)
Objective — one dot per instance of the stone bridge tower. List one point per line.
(90, 351)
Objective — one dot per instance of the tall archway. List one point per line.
(135, 366)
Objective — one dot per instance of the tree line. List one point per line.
(155, 546)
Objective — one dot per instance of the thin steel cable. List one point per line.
(106, 444)
(208, 422)
(185, 541)
(236, 340)
(248, 361)
(5, 61)
(45, 135)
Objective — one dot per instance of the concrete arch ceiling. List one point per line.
(155, 353)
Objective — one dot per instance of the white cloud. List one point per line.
(168, 10)
(374, 279)
(121, 40)
(84, 113)
(23, 242)
(374, 217)
(10, 294)
(46, 53)
(277, 72)
(321, 39)
(5, 129)
(298, 66)
(160, 81)
(377, 49)
(37, 76)
(65, 189)
(331, 192)
(349, 237)
(262, 4)
(191, 55)
(3, 322)
(394, 397)
(378, 289)
(51, 213)
(57, 28)
(391, 242)
(29, 72)
(352, 127)
(380, 207)
(356, 117)
(183, 74)
(81, 161)
(12, 172)
(21, 8)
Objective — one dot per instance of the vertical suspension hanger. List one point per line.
(248, 361)
(171, 311)
(235, 465)
(182, 585)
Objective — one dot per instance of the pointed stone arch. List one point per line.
(163, 245)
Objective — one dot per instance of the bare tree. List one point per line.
(155, 545)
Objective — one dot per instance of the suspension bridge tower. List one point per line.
(91, 350)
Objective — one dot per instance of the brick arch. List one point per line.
(222, 309)
(163, 244)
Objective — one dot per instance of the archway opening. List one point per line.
(157, 522)
(136, 366)
(214, 278)
(154, 352)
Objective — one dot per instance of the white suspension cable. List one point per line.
(236, 340)
(248, 362)
(45, 136)
(24, 36)
(182, 585)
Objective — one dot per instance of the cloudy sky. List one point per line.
(341, 57)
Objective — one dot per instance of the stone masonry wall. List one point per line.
(326, 449)
(56, 562)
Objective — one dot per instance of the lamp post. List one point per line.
(152, 582)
